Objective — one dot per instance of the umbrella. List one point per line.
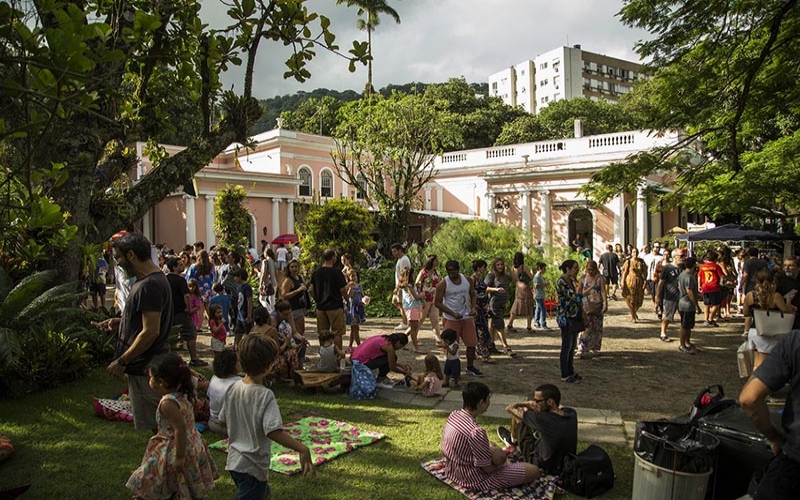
(285, 239)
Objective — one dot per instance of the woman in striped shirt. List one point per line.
(473, 462)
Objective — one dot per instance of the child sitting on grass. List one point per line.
(329, 354)
(253, 418)
(430, 382)
(452, 365)
(226, 367)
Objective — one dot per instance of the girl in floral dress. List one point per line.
(485, 344)
(427, 281)
(176, 462)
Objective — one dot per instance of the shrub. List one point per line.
(340, 224)
(379, 284)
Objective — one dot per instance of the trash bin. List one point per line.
(673, 461)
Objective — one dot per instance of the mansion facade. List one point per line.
(533, 185)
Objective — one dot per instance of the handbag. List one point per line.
(772, 323)
(575, 325)
(588, 474)
(266, 289)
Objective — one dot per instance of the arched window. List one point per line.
(326, 184)
(361, 186)
(306, 182)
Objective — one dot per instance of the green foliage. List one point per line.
(388, 147)
(524, 129)
(378, 283)
(467, 240)
(53, 358)
(724, 73)
(231, 218)
(340, 224)
(315, 116)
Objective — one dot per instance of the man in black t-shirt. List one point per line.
(782, 366)
(328, 288)
(542, 430)
(144, 327)
(609, 263)
(180, 309)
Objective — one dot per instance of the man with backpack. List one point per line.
(541, 430)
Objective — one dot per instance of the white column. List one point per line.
(545, 220)
(290, 216)
(439, 198)
(276, 217)
(146, 230)
(490, 206)
(641, 219)
(427, 197)
(619, 219)
(345, 187)
(526, 210)
(211, 237)
(191, 230)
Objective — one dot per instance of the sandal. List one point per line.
(665, 338)
(509, 352)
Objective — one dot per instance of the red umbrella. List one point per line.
(286, 239)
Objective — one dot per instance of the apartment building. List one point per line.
(564, 73)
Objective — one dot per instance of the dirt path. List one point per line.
(636, 374)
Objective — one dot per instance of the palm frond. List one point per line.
(48, 304)
(25, 292)
(5, 284)
(10, 348)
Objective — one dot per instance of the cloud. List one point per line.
(441, 39)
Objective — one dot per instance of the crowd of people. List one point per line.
(159, 290)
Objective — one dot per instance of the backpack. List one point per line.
(362, 382)
(588, 474)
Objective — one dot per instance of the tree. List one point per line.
(386, 148)
(524, 129)
(724, 73)
(80, 82)
(340, 224)
(231, 218)
(597, 117)
(371, 11)
(314, 116)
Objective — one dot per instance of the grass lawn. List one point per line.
(65, 451)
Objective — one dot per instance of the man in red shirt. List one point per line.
(710, 278)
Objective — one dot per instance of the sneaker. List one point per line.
(198, 362)
(401, 326)
(385, 383)
(686, 349)
(474, 371)
(505, 436)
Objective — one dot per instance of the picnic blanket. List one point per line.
(544, 488)
(118, 408)
(327, 439)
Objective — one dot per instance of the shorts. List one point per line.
(281, 265)
(452, 368)
(465, 330)
(188, 330)
(242, 327)
(217, 345)
(248, 487)
(414, 314)
(713, 298)
(780, 479)
(651, 287)
(670, 307)
(687, 319)
(613, 280)
(144, 402)
(332, 320)
(298, 313)
(97, 288)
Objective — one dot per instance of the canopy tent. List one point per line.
(734, 232)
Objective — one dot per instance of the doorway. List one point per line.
(581, 222)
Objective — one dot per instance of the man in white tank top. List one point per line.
(455, 297)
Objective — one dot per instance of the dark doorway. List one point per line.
(628, 228)
(581, 222)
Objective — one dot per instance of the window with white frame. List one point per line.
(326, 184)
(306, 183)
(361, 186)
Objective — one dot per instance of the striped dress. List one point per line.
(465, 448)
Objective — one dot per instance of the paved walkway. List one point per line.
(594, 426)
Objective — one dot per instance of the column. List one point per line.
(146, 230)
(191, 230)
(276, 217)
(545, 220)
(290, 216)
(439, 198)
(641, 219)
(211, 237)
(427, 197)
(526, 210)
(619, 219)
(490, 206)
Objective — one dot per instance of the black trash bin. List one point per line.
(673, 461)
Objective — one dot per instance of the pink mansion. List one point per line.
(533, 185)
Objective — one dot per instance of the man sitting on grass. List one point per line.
(470, 459)
(541, 430)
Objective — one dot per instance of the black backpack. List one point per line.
(589, 473)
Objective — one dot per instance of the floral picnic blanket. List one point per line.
(327, 439)
(544, 488)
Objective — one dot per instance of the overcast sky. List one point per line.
(441, 39)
